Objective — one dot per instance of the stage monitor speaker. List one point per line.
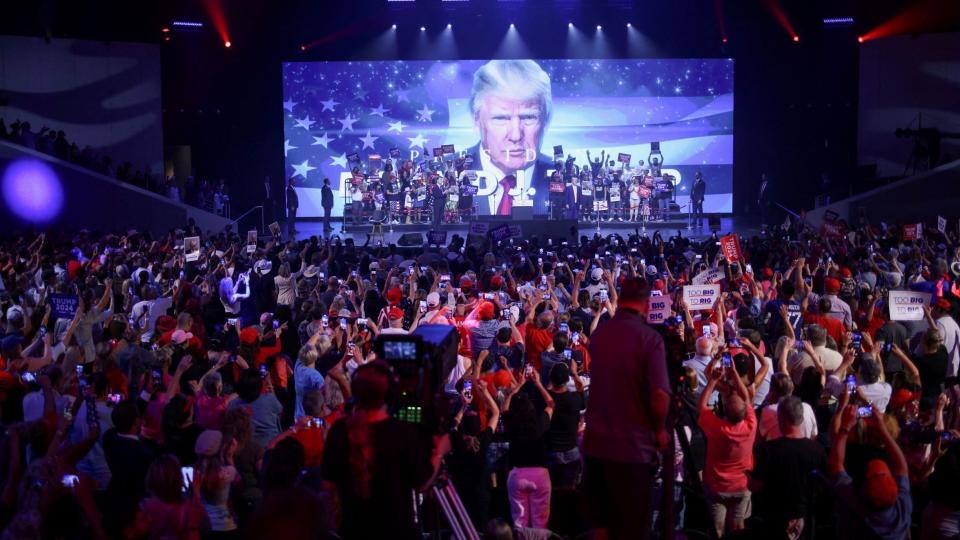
(714, 223)
(522, 212)
(413, 239)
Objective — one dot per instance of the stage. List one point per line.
(540, 227)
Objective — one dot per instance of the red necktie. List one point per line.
(506, 202)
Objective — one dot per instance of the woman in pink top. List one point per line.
(211, 405)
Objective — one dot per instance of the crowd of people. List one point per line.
(240, 394)
(211, 195)
(440, 191)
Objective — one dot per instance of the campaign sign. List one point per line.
(831, 230)
(395, 153)
(941, 224)
(730, 245)
(251, 241)
(353, 158)
(469, 190)
(437, 237)
(700, 297)
(558, 151)
(64, 306)
(447, 148)
(907, 305)
(479, 227)
(438, 152)
(913, 231)
(191, 248)
(275, 229)
(660, 309)
(710, 275)
(515, 230)
(556, 187)
(499, 233)
(623, 158)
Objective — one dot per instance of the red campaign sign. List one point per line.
(730, 245)
(912, 231)
(831, 230)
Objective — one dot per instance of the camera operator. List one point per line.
(376, 461)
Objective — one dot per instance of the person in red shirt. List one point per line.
(310, 430)
(729, 450)
(833, 326)
(539, 336)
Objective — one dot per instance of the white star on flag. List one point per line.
(368, 141)
(395, 126)
(305, 123)
(302, 169)
(402, 95)
(419, 140)
(379, 111)
(347, 122)
(329, 105)
(289, 104)
(425, 114)
(322, 141)
(287, 147)
(339, 161)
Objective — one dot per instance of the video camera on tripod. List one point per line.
(422, 363)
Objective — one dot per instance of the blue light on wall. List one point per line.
(32, 190)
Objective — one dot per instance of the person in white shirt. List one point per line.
(780, 387)
(699, 363)
(229, 286)
(871, 388)
(950, 332)
(33, 402)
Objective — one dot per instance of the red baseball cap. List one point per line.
(496, 281)
(394, 295)
(395, 313)
(832, 285)
(486, 310)
(943, 304)
(845, 272)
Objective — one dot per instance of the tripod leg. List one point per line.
(457, 504)
(448, 512)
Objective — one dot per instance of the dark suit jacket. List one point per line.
(326, 197)
(292, 200)
(540, 181)
(569, 193)
(698, 192)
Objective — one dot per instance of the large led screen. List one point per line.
(509, 117)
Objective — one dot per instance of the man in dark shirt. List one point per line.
(293, 202)
(326, 201)
(697, 194)
(128, 458)
(783, 470)
(563, 455)
(626, 420)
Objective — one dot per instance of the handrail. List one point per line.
(243, 215)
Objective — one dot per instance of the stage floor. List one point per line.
(393, 233)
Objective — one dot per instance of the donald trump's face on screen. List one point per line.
(511, 103)
(510, 130)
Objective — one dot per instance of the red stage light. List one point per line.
(227, 44)
(303, 47)
(164, 29)
(860, 39)
(724, 40)
(796, 38)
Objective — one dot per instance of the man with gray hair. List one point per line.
(705, 349)
(511, 104)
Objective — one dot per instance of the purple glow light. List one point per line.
(32, 190)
